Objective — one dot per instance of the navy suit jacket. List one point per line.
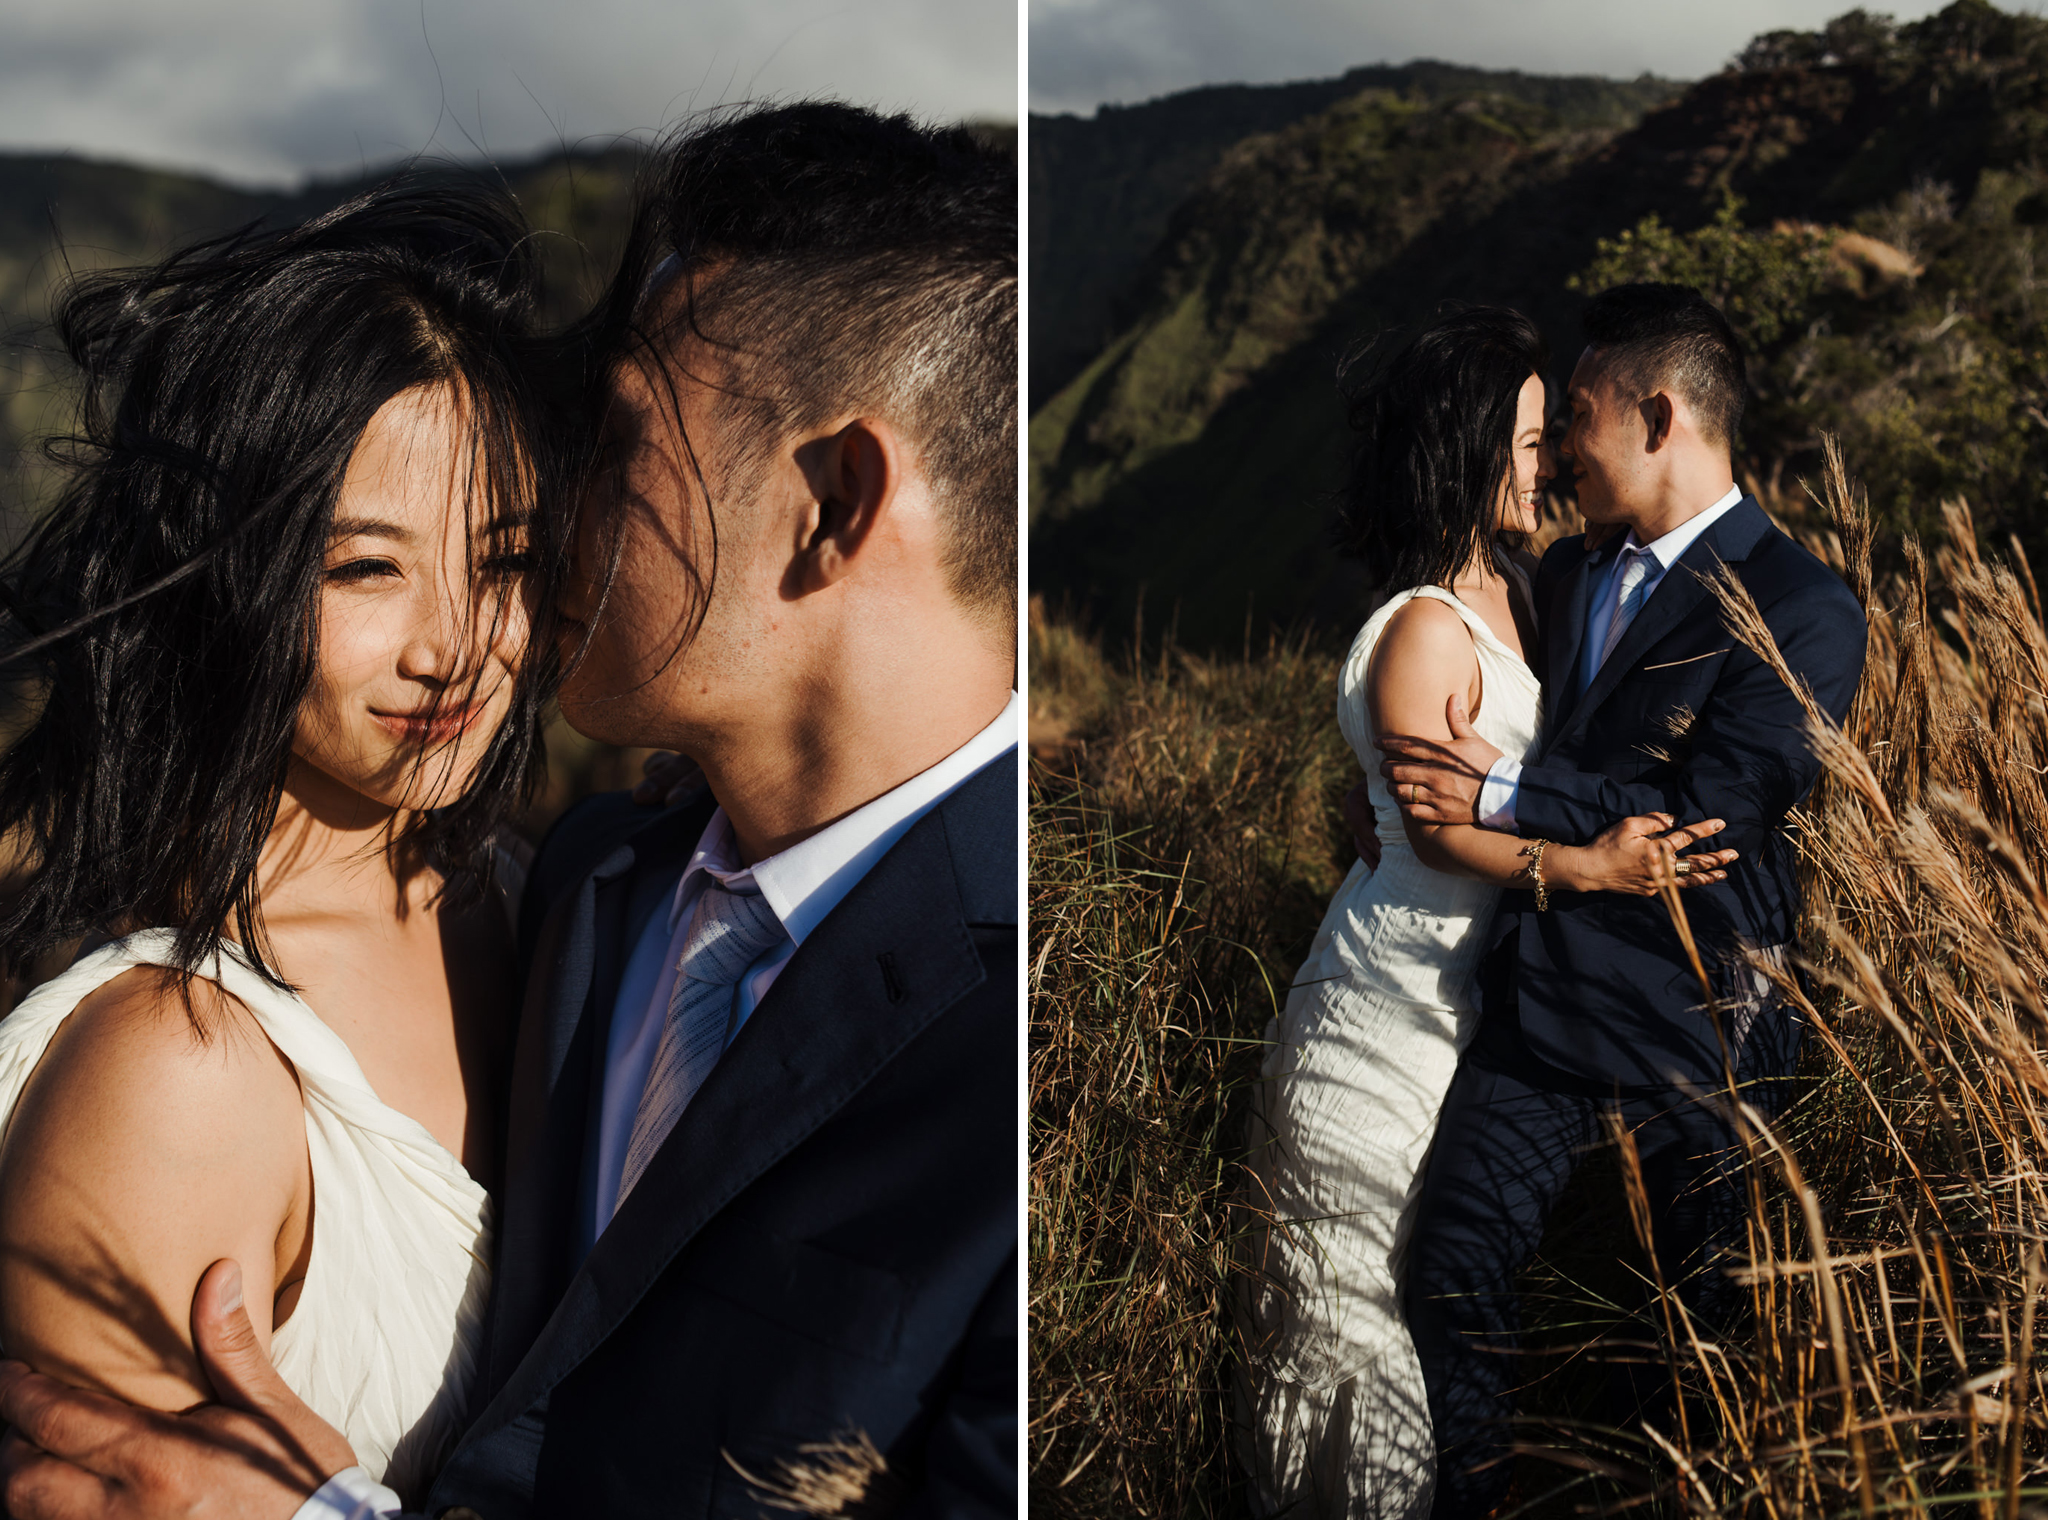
(1683, 719)
(826, 1244)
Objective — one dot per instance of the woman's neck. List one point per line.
(1481, 573)
(334, 852)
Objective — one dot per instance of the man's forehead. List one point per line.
(1588, 375)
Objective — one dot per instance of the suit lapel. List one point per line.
(558, 1070)
(1567, 629)
(1681, 590)
(892, 957)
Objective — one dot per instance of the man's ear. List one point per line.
(852, 475)
(1657, 416)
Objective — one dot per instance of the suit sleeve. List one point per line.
(1750, 762)
(970, 1468)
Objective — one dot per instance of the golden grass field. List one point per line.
(1185, 836)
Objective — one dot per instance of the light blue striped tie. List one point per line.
(1635, 574)
(731, 931)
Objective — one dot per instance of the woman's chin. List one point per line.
(419, 784)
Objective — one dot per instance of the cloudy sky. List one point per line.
(268, 91)
(1084, 52)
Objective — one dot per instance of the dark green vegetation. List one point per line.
(1888, 187)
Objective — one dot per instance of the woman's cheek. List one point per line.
(348, 642)
(514, 628)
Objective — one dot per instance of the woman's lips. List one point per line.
(430, 725)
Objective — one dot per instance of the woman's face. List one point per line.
(423, 611)
(1530, 463)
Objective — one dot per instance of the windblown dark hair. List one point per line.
(1653, 337)
(161, 621)
(1434, 430)
(836, 259)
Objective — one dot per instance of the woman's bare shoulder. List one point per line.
(1425, 617)
(1424, 635)
(182, 1048)
(153, 1138)
(1425, 653)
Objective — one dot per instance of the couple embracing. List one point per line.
(1543, 743)
(361, 1164)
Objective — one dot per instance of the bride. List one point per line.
(276, 637)
(1449, 460)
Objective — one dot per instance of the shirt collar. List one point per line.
(1669, 549)
(807, 881)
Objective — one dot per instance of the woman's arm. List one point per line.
(1424, 662)
(139, 1155)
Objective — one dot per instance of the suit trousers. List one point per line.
(1512, 1133)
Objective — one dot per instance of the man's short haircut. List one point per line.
(841, 262)
(1670, 337)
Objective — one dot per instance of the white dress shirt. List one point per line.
(802, 884)
(351, 1494)
(1497, 794)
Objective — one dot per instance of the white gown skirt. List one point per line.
(1335, 1418)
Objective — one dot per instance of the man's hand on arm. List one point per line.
(1436, 782)
(257, 1454)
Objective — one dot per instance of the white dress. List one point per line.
(383, 1341)
(1355, 1074)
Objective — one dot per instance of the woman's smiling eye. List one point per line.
(355, 570)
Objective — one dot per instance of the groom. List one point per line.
(1589, 1003)
(757, 1239)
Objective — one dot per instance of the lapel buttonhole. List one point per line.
(892, 979)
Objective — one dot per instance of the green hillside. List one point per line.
(1868, 198)
(59, 214)
(1103, 188)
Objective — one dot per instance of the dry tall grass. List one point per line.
(1167, 851)
(1181, 855)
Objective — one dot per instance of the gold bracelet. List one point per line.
(1542, 888)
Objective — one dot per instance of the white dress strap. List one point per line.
(1482, 631)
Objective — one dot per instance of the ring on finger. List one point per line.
(1681, 867)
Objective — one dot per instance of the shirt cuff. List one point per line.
(1496, 807)
(350, 1495)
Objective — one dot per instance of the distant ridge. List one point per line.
(1103, 187)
